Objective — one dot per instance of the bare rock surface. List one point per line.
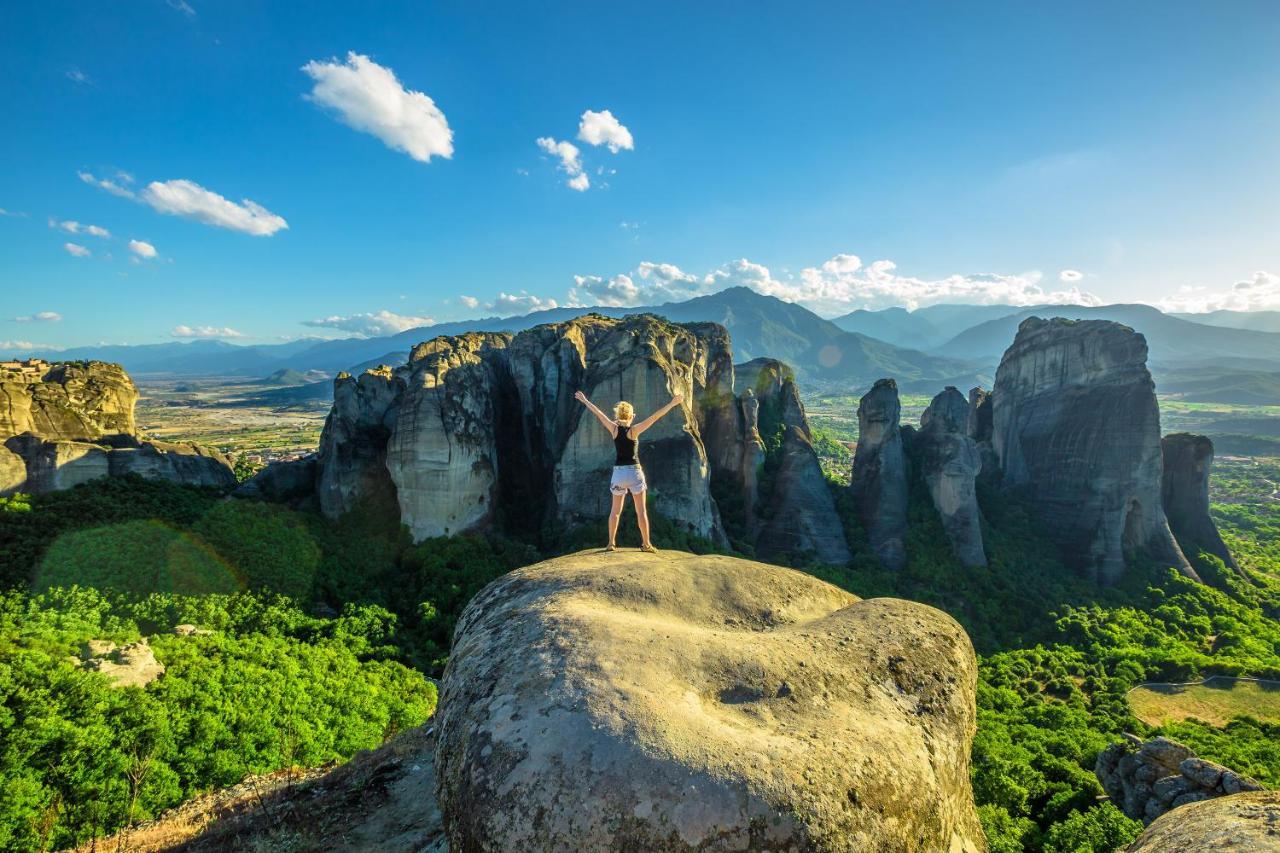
(1145, 780)
(879, 480)
(674, 702)
(950, 462)
(1187, 462)
(1076, 427)
(65, 401)
(1242, 823)
(130, 665)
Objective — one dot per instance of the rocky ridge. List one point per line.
(66, 423)
(1241, 823)
(1187, 461)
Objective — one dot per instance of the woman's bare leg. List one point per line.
(642, 518)
(614, 513)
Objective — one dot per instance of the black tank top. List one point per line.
(627, 448)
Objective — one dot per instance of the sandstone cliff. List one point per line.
(1188, 460)
(483, 428)
(62, 424)
(1243, 823)
(671, 702)
(950, 461)
(879, 480)
(1076, 427)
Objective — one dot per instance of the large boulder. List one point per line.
(950, 462)
(1077, 429)
(1242, 823)
(1187, 461)
(879, 481)
(630, 701)
(1145, 780)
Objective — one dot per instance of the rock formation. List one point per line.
(1185, 495)
(880, 474)
(978, 422)
(130, 665)
(670, 702)
(292, 483)
(482, 427)
(799, 512)
(1242, 823)
(1076, 427)
(63, 424)
(949, 461)
(1145, 780)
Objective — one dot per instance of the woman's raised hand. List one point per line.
(579, 396)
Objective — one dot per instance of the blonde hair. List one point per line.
(624, 411)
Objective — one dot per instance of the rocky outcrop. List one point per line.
(1243, 823)
(1145, 780)
(1187, 460)
(1076, 427)
(879, 480)
(65, 401)
(481, 428)
(950, 461)
(292, 482)
(978, 422)
(130, 665)
(629, 701)
(63, 424)
(798, 514)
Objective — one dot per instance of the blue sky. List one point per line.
(840, 155)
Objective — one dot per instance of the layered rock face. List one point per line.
(671, 702)
(801, 513)
(1185, 494)
(485, 425)
(879, 480)
(1243, 823)
(1075, 422)
(950, 462)
(64, 424)
(1145, 780)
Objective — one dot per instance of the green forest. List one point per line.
(320, 638)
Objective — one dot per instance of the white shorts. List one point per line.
(627, 478)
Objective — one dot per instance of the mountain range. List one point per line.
(926, 349)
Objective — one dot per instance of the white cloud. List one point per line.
(73, 227)
(836, 286)
(601, 128)
(369, 98)
(26, 346)
(182, 6)
(1069, 276)
(14, 213)
(142, 249)
(469, 301)
(76, 250)
(372, 325)
(40, 317)
(106, 184)
(570, 161)
(204, 332)
(521, 303)
(75, 75)
(1259, 292)
(189, 199)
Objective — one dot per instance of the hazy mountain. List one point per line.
(291, 376)
(923, 328)
(1169, 339)
(1257, 321)
(1221, 385)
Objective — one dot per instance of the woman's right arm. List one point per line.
(604, 419)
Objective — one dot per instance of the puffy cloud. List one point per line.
(368, 97)
(601, 128)
(40, 317)
(521, 303)
(570, 161)
(377, 324)
(204, 332)
(469, 301)
(1259, 292)
(106, 184)
(142, 249)
(76, 250)
(26, 346)
(73, 227)
(836, 286)
(1069, 276)
(189, 199)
